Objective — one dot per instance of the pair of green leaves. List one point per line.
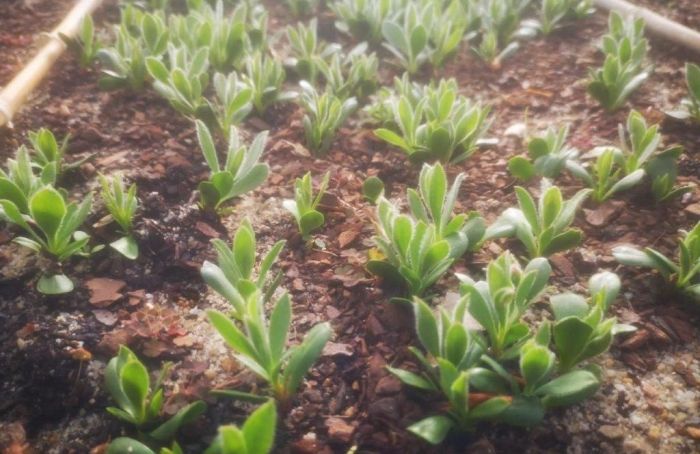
(128, 382)
(690, 104)
(52, 228)
(241, 172)
(305, 204)
(85, 45)
(685, 274)
(542, 227)
(265, 76)
(256, 436)
(325, 114)
(406, 37)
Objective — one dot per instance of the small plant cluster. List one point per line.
(31, 199)
(431, 122)
(624, 68)
(608, 170)
(512, 374)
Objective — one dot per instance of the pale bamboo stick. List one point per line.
(657, 24)
(15, 93)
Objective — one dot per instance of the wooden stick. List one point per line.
(15, 93)
(657, 24)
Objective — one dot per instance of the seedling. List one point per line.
(363, 19)
(240, 174)
(304, 205)
(52, 230)
(325, 114)
(121, 204)
(232, 275)
(85, 45)
(623, 71)
(373, 189)
(302, 7)
(232, 102)
(352, 76)
(685, 274)
(548, 155)
(308, 51)
(127, 381)
(257, 436)
(260, 345)
(406, 36)
(265, 76)
(19, 182)
(543, 228)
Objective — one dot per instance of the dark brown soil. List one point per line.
(52, 350)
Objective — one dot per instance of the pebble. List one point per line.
(611, 432)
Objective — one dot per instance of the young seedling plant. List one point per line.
(304, 205)
(52, 228)
(684, 274)
(542, 227)
(325, 114)
(121, 204)
(127, 381)
(547, 156)
(256, 436)
(241, 172)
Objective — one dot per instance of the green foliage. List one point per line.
(259, 343)
(52, 228)
(373, 189)
(554, 12)
(548, 156)
(232, 275)
(434, 123)
(406, 36)
(500, 27)
(257, 436)
(265, 76)
(19, 182)
(184, 81)
(354, 75)
(511, 376)
(417, 250)
(543, 228)
(240, 173)
(304, 205)
(685, 274)
(623, 70)
(619, 169)
(308, 51)
(139, 35)
(232, 101)
(446, 32)
(363, 19)
(85, 45)
(121, 204)
(128, 383)
(121, 445)
(302, 7)
(48, 155)
(499, 303)
(453, 353)
(580, 330)
(692, 102)
(325, 114)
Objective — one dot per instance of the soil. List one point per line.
(53, 349)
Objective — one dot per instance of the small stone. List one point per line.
(388, 385)
(654, 433)
(611, 432)
(636, 447)
(693, 432)
(339, 429)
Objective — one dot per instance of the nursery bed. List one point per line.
(53, 350)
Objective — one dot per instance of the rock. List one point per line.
(335, 349)
(339, 429)
(693, 432)
(388, 385)
(636, 447)
(611, 432)
(693, 208)
(385, 407)
(603, 214)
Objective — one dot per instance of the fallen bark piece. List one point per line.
(104, 291)
(339, 430)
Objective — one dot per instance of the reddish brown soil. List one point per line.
(52, 395)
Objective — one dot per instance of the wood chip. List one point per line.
(104, 291)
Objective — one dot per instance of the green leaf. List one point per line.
(568, 305)
(279, 326)
(166, 431)
(392, 138)
(47, 208)
(571, 335)
(433, 429)
(55, 284)
(372, 188)
(135, 384)
(310, 221)
(259, 429)
(244, 249)
(564, 241)
(426, 327)
(124, 445)
(632, 256)
(569, 388)
(206, 143)
(524, 411)
(305, 355)
(394, 35)
(411, 379)
(126, 246)
(521, 168)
